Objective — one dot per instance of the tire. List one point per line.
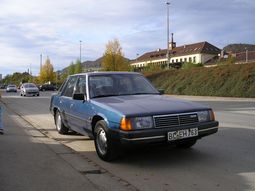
(61, 128)
(105, 147)
(186, 144)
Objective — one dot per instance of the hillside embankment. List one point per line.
(224, 80)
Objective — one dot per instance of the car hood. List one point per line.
(141, 105)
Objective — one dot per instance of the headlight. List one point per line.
(128, 124)
(204, 116)
(142, 122)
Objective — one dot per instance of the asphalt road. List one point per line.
(223, 161)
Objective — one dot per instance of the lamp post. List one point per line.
(246, 54)
(168, 52)
(80, 50)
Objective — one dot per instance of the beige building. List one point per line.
(202, 52)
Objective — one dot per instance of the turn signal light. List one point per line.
(125, 124)
(212, 116)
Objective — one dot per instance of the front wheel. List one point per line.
(105, 147)
(61, 128)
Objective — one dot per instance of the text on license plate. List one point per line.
(181, 134)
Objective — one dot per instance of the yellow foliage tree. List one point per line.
(113, 59)
(47, 72)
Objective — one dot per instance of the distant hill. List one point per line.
(234, 48)
(90, 65)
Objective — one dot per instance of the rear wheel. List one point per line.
(186, 144)
(61, 128)
(105, 147)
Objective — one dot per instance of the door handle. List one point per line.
(71, 105)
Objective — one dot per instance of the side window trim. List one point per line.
(62, 87)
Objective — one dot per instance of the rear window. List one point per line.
(30, 86)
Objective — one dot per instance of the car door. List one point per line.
(80, 110)
(66, 100)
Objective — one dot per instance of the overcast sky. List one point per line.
(54, 28)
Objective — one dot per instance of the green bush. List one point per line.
(189, 65)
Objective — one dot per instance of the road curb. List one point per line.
(97, 175)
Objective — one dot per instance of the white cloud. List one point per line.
(54, 28)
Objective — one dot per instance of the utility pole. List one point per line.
(246, 54)
(80, 50)
(168, 52)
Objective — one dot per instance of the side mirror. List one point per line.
(79, 96)
(161, 91)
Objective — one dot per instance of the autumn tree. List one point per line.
(47, 72)
(113, 59)
(71, 69)
(77, 68)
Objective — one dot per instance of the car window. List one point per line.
(30, 86)
(119, 84)
(69, 88)
(101, 85)
(81, 85)
(140, 84)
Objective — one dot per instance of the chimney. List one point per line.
(172, 44)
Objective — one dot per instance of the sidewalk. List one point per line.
(27, 163)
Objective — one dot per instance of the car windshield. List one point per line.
(11, 86)
(118, 85)
(30, 86)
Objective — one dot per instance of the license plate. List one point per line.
(182, 134)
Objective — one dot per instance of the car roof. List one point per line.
(102, 73)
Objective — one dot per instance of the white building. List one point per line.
(201, 52)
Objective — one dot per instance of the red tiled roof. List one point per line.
(196, 48)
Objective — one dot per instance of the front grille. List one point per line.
(175, 120)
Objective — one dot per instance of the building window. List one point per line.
(194, 59)
(190, 59)
(181, 60)
(177, 60)
(185, 59)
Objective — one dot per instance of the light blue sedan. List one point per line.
(123, 108)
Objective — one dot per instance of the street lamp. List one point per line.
(80, 50)
(168, 52)
(246, 54)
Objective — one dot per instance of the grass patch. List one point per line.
(224, 80)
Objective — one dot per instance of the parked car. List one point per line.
(47, 87)
(2, 86)
(11, 88)
(29, 89)
(122, 108)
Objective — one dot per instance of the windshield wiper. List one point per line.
(141, 93)
(109, 95)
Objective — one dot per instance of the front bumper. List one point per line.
(157, 135)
